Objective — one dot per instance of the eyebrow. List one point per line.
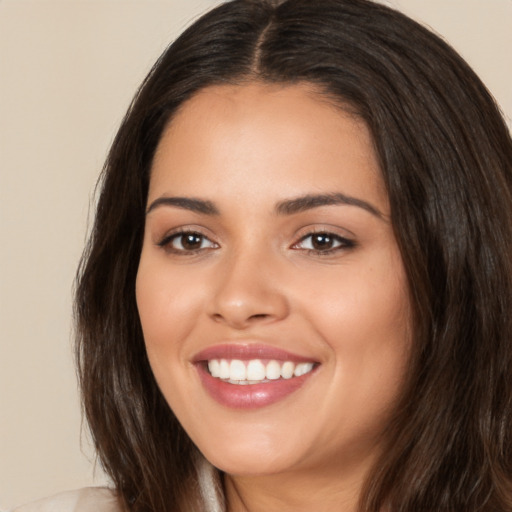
(186, 203)
(300, 204)
(287, 207)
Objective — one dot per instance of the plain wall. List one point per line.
(68, 70)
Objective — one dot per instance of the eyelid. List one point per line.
(342, 242)
(161, 234)
(165, 241)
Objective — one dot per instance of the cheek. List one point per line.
(162, 316)
(358, 308)
(363, 316)
(167, 303)
(165, 310)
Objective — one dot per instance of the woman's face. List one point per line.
(269, 260)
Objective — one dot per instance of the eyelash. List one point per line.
(342, 243)
(167, 242)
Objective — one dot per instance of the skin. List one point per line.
(255, 279)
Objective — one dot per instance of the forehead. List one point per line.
(249, 135)
(260, 102)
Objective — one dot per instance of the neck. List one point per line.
(295, 492)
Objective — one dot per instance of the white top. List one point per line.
(90, 499)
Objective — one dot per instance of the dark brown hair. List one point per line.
(446, 159)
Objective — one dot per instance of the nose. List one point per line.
(248, 292)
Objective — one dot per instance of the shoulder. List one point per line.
(90, 499)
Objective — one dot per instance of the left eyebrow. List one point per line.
(307, 202)
(185, 203)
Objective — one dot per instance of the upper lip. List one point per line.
(248, 351)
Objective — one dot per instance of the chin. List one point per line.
(250, 464)
(250, 457)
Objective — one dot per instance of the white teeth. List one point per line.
(214, 367)
(237, 370)
(273, 370)
(287, 370)
(254, 371)
(224, 369)
(244, 382)
(302, 369)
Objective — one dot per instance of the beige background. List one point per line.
(67, 72)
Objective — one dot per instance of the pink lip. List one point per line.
(250, 396)
(246, 352)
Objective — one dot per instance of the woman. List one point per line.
(297, 289)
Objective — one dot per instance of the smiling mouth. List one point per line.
(256, 371)
(252, 375)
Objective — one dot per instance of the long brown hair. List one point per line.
(446, 159)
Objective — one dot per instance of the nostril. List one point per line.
(259, 316)
(240, 307)
(241, 322)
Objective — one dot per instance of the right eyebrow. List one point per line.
(310, 201)
(186, 203)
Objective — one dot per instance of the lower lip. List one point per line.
(250, 396)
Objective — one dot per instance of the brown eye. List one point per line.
(324, 242)
(188, 241)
